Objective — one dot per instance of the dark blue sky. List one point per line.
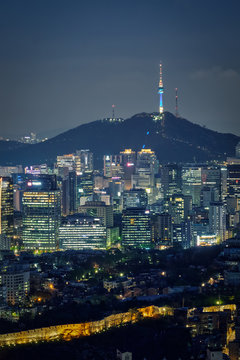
(65, 62)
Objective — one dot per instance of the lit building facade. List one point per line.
(6, 206)
(136, 228)
(41, 217)
(78, 232)
(192, 183)
(98, 209)
(217, 220)
(70, 161)
(135, 198)
(17, 285)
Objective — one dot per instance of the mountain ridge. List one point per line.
(174, 140)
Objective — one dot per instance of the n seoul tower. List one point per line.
(160, 91)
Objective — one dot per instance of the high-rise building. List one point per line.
(192, 183)
(147, 159)
(98, 209)
(72, 180)
(171, 179)
(183, 235)
(135, 198)
(6, 206)
(162, 224)
(85, 186)
(146, 169)
(208, 195)
(41, 215)
(233, 182)
(129, 165)
(78, 232)
(113, 166)
(217, 220)
(174, 205)
(238, 150)
(211, 177)
(136, 228)
(17, 285)
(70, 161)
(5, 242)
(86, 160)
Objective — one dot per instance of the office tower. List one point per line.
(192, 183)
(224, 175)
(85, 186)
(117, 167)
(162, 224)
(174, 205)
(116, 188)
(72, 180)
(209, 195)
(67, 184)
(107, 166)
(79, 232)
(211, 178)
(146, 159)
(183, 235)
(5, 242)
(17, 283)
(70, 161)
(171, 179)
(6, 206)
(187, 206)
(136, 228)
(217, 220)
(98, 209)
(86, 160)
(233, 182)
(129, 164)
(135, 198)
(144, 177)
(238, 150)
(41, 214)
(113, 166)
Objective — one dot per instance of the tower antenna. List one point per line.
(113, 111)
(160, 91)
(176, 98)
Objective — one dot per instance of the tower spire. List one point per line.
(160, 91)
(113, 111)
(176, 97)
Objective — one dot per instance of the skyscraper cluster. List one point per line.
(133, 201)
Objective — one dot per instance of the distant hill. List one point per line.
(177, 140)
(7, 146)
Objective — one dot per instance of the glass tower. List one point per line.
(41, 219)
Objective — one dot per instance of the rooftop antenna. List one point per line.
(113, 111)
(176, 98)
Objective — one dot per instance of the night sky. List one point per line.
(65, 62)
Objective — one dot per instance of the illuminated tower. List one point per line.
(160, 91)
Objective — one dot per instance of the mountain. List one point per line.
(173, 140)
(10, 146)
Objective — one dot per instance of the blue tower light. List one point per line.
(160, 91)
